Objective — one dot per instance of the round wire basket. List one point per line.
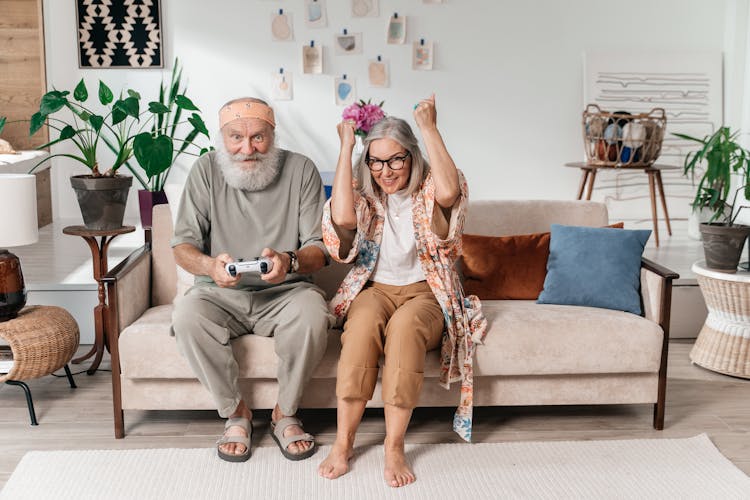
(621, 139)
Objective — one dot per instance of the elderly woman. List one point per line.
(402, 227)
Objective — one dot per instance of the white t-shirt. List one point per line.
(397, 261)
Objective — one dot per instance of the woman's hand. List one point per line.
(425, 114)
(346, 134)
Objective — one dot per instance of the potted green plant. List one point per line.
(102, 195)
(157, 150)
(723, 158)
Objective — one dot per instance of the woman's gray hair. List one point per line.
(399, 131)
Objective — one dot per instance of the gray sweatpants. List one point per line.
(206, 319)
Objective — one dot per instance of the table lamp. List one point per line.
(18, 226)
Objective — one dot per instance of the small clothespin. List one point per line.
(421, 41)
(380, 58)
(395, 15)
(281, 72)
(281, 11)
(312, 43)
(344, 77)
(345, 32)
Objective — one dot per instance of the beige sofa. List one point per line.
(534, 354)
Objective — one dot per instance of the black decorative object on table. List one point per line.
(119, 34)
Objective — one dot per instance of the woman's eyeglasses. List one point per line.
(394, 163)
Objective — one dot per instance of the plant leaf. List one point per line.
(153, 154)
(197, 122)
(67, 132)
(36, 122)
(80, 93)
(2, 123)
(132, 93)
(85, 115)
(51, 102)
(132, 107)
(185, 103)
(96, 122)
(105, 94)
(157, 108)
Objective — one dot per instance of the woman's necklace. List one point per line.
(396, 203)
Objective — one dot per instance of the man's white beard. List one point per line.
(256, 178)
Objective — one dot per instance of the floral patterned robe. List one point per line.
(465, 325)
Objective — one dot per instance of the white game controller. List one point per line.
(261, 265)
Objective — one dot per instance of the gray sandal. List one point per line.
(277, 432)
(239, 422)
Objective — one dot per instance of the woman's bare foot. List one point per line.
(397, 471)
(336, 463)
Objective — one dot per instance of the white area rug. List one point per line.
(639, 469)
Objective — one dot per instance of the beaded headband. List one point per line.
(245, 109)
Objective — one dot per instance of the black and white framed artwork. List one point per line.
(119, 34)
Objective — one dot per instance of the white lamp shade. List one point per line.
(18, 223)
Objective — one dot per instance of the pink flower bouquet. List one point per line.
(364, 114)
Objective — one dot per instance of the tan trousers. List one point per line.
(206, 319)
(401, 322)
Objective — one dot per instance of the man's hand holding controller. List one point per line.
(261, 265)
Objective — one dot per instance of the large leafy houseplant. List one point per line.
(157, 149)
(723, 158)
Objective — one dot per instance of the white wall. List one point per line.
(508, 75)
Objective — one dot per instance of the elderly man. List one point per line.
(247, 199)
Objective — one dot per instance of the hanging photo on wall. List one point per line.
(281, 86)
(133, 37)
(315, 14)
(396, 30)
(312, 59)
(422, 55)
(348, 43)
(377, 72)
(281, 26)
(346, 93)
(365, 8)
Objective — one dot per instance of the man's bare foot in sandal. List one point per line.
(234, 444)
(397, 471)
(287, 431)
(336, 463)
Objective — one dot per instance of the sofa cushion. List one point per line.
(526, 338)
(506, 267)
(598, 267)
(147, 350)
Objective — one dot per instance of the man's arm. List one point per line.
(196, 262)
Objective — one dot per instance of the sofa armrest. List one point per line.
(128, 290)
(656, 292)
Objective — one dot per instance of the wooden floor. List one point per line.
(698, 401)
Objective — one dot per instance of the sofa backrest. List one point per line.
(489, 218)
(509, 217)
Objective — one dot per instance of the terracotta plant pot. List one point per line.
(102, 200)
(146, 202)
(722, 245)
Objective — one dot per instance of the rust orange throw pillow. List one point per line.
(506, 267)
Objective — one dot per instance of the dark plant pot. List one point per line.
(722, 245)
(102, 200)
(147, 200)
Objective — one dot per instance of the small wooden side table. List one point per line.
(42, 340)
(588, 176)
(723, 344)
(99, 249)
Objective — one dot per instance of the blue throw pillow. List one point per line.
(596, 267)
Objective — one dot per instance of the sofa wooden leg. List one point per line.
(119, 424)
(659, 416)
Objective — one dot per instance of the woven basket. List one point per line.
(621, 139)
(43, 339)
